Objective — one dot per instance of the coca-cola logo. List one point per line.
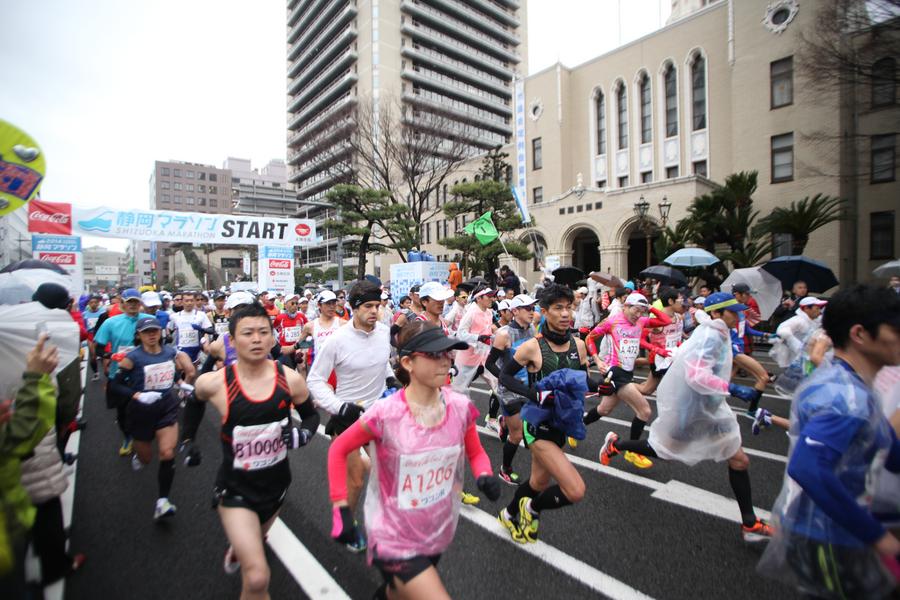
(303, 229)
(57, 258)
(37, 215)
(279, 264)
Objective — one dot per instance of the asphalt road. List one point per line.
(667, 532)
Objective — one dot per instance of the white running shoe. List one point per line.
(136, 464)
(96, 377)
(231, 564)
(164, 508)
(492, 424)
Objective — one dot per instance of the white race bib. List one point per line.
(426, 478)
(160, 376)
(92, 322)
(257, 446)
(629, 347)
(292, 334)
(672, 341)
(188, 337)
(221, 327)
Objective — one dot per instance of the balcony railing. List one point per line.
(299, 7)
(466, 134)
(461, 50)
(327, 135)
(337, 49)
(325, 19)
(456, 88)
(320, 182)
(421, 53)
(459, 110)
(336, 68)
(331, 156)
(322, 118)
(488, 43)
(501, 14)
(324, 97)
(299, 27)
(480, 21)
(303, 53)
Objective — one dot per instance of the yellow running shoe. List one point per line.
(573, 443)
(126, 447)
(638, 460)
(528, 523)
(468, 498)
(514, 532)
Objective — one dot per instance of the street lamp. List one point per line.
(664, 208)
(641, 208)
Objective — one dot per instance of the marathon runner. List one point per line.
(188, 326)
(506, 342)
(254, 397)
(117, 333)
(625, 332)
(147, 376)
(694, 422)
(219, 315)
(358, 354)
(316, 330)
(91, 314)
(288, 327)
(668, 337)
(419, 434)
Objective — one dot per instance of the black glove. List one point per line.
(489, 486)
(295, 437)
(485, 339)
(350, 412)
(545, 398)
(343, 527)
(607, 387)
(192, 453)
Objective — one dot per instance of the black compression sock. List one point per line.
(493, 406)
(637, 428)
(522, 491)
(592, 416)
(164, 477)
(509, 451)
(550, 499)
(740, 485)
(639, 446)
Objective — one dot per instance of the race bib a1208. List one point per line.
(160, 376)
(426, 477)
(257, 446)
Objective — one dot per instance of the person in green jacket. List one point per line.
(22, 425)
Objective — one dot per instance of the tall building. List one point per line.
(15, 240)
(261, 192)
(103, 268)
(457, 57)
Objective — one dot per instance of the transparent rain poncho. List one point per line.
(475, 322)
(886, 502)
(412, 501)
(801, 366)
(810, 551)
(694, 421)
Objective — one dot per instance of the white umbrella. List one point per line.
(765, 288)
(33, 278)
(691, 257)
(888, 269)
(20, 326)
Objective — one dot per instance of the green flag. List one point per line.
(483, 229)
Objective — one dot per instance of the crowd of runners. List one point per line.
(392, 376)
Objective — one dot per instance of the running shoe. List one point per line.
(492, 424)
(95, 377)
(164, 508)
(359, 544)
(760, 532)
(608, 449)
(573, 443)
(638, 460)
(761, 420)
(514, 532)
(231, 564)
(510, 477)
(503, 434)
(126, 447)
(136, 464)
(468, 498)
(528, 523)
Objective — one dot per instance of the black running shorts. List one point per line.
(143, 420)
(404, 569)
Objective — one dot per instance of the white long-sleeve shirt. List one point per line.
(360, 362)
(795, 332)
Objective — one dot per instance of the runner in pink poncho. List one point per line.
(421, 436)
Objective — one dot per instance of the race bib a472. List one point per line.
(257, 446)
(426, 477)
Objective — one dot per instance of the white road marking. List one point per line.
(315, 580)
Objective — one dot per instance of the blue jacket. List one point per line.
(569, 387)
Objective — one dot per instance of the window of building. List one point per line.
(698, 92)
(212, 177)
(201, 175)
(646, 176)
(598, 205)
(232, 263)
(622, 109)
(213, 202)
(164, 185)
(164, 171)
(646, 115)
(190, 174)
(881, 235)
(579, 208)
(671, 79)
(177, 172)
(781, 75)
(601, 184)
(201, 201)
(671, 172)
(538, 194)
(623, 181)
(445, 193)
(562, 211)
(190, 200)
(570, 209)
(213, 189)
(883, 158)
(446, 228)
(884, 82)
(165, 198)
(201, 188)
(700, 168)
(537, 157)
(600, 107)
(782, 157)
(427, 233)
(190, 187)
(782, 244)
(178, 185)
(177, 199)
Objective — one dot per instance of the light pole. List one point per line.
(640, 210)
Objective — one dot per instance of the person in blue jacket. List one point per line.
(828, 543)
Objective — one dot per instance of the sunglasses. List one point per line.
(446, 354)
(461, 297)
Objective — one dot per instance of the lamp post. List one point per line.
(641, 207)
(664, 208)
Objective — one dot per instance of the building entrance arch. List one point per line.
(585, 249)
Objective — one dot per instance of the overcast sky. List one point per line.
(108, 86)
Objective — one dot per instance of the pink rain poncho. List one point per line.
(694, 421)
(475, 322)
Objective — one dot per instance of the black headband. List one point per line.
(357, 301)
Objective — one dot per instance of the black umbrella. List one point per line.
(791, 269)
(33, 263)
(664, 274)
(568, 275)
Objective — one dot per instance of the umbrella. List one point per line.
(32, 263)
(567, 275)
(888, 269)
(765, 288)
(691, 257)
(607, 279)
(31, 279)
(665, 275)
(791, 269)
(19, 332)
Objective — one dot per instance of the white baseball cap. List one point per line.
(435, 291)
(522, 300)
(484, 292)
(636, 299)
(239, 298)
(503, 305)
(813, 301)
(582, 290)
(326, 296)
(151, 299)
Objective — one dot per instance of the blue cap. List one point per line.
(722, 301)
(147, 323)
(630, 285)
(131, 294)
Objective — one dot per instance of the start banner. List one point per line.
(62, 250)
(198, 228)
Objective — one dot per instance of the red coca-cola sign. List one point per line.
(302, 230)
(279, 264)
(49, 217)
(58, 258)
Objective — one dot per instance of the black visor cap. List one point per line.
(432, 340)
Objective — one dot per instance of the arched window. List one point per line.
(622, 108)
(671, 83)
(646, 115)
(600, 107)
(698, 92)
(884, 73)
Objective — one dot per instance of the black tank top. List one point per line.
(554, 361)
(252, 430)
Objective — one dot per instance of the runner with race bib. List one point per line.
(219, 315)
(288, 327)
(188, 326)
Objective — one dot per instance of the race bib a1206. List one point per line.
(426, 477)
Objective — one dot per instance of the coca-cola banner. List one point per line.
(50, 217)
(276, 269)
(62, 250)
